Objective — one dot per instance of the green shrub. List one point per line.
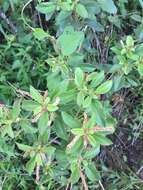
(52, 133)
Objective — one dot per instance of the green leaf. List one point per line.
(50, 150)
(16, 110)
(81, 10)
(53, 81)
(27, 127)
(62, 16)
(75, 146)
(24, 147)
(91, 122)
(115, 20)
(43, 123)
(127, 69)
(108, 6)
(137, 18)
(79, 77)
(46, 7)
(92, 141)
(61, 155)
(104, 88)
(63, 87)
(40, 34)
(38, 160)
(70, 121)
(87, 102)
(8, 130)
(37, 110)
(130, 41)
(36, 95)
(92, 152)
(140, 69)
(80, 98)
(52, 108)
(75, 173)
(60, 129)
(97, 108)
(31, 165)
(96, 79)
(118, 82)
(68, 96)
(78, 131)
(66, 6)
(30, 105)
(6, 149)
(141, 3)
(70, 40)
(92, 173)
(100, 139)
(97, 26)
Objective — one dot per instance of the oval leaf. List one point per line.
(79, 77)
(108, 6)
(81, 10)
(104, 88)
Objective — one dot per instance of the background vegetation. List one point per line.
(71, 112)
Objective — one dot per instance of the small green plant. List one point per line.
(53, 134)
(79, 131)
(130, 56)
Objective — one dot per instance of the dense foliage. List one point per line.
(70, 76)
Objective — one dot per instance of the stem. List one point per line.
(83, 180)
(8, 22)
(37, 173)
(22, 15)
(101, 185)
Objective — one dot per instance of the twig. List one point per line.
(98, 45)
(67, 187)
(40, 21)
(8, 22)
(38, 115)
(37, 173)
(108, 46)
(83, 180)
(22, 92)
(101, 185)
(138, 129)
(2, 183)
(22, 15)
(71, 187)
(84, 30)
(55, 141)
(138, 172)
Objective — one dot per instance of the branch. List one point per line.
(8, 22)
(37, 173)
(83, 180)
